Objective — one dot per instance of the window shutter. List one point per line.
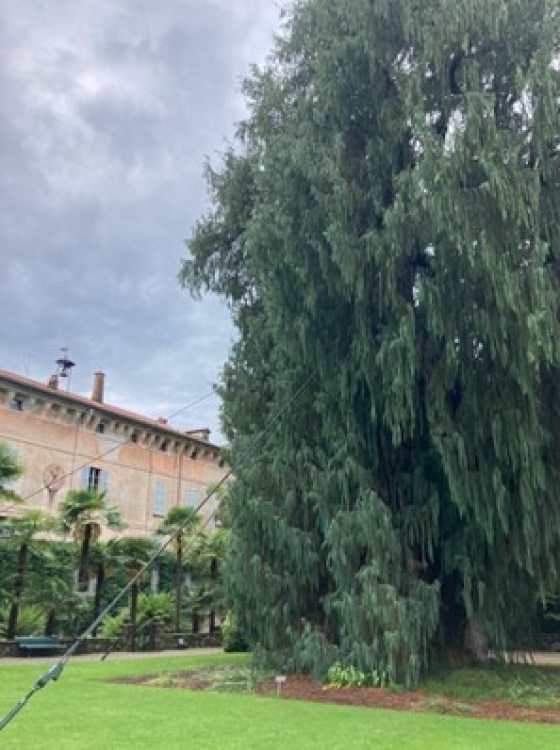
(159, 499)
(104, 481)
(191, 498)
(85, 478)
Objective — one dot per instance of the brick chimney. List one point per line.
(98, 387)
(53, 382)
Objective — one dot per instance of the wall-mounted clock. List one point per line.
(53, 477)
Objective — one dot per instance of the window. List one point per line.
(94, 478)
(159, 499)
(164, 445)
(17, 403)
(191, 498)
(100, 428)
(134, 437)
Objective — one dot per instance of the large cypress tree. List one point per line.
(388, 223)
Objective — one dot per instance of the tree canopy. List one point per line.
(85, 512)
(10, 470)
(388, 221)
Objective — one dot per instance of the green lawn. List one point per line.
(521, 684)
(82, 712)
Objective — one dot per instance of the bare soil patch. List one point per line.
(303, 687)
(187, 680)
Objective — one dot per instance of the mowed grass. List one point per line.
(521, 684)
(83, 711)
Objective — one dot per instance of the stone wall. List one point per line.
(162, 642)
(91, 646)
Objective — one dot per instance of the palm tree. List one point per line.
(85, 513)
(178, 522)
(214, 552)
(132, 553)
(23, 531)
(102, 562)
(56, 597)
(199, 598)
(205, 554)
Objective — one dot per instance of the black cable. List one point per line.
(189, 406)
(138, 629)
(54, 672)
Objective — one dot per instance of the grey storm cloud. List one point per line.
(108, 110)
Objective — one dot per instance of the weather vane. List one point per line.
(65, 366)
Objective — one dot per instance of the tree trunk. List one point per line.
(18, 590)
(133, 615)
(51, 622)
(84, 554)
(476, 640)
(214, 577)
(100, 580)
(178, 582)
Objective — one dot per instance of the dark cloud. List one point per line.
(108, 109)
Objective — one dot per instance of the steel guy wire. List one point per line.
(55, 671)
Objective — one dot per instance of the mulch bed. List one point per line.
(302, 687)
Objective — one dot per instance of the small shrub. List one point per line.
(232, 640)
(341, 676)
(112, 627)
(31, 621)
(156, 604)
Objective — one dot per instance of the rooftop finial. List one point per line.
(65, 366)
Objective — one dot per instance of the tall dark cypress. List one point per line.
(388, 220)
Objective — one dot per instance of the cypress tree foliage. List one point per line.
(388, 220)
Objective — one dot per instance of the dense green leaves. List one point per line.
(178, 522)
(9, 471)
(85, 513)
(388, 220)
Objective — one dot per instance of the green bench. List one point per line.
(39, 644)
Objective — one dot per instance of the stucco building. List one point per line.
(65, 441)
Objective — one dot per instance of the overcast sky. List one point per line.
(108, 109)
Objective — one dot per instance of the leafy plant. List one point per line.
(30, 620)
(24, 529)
(150, 607)
(340, 676)
(85, 513)
(183, 523)
(112, 627)
(232, 639)
(155, 604)
(10, 470)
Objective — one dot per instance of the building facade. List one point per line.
(65, 441)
